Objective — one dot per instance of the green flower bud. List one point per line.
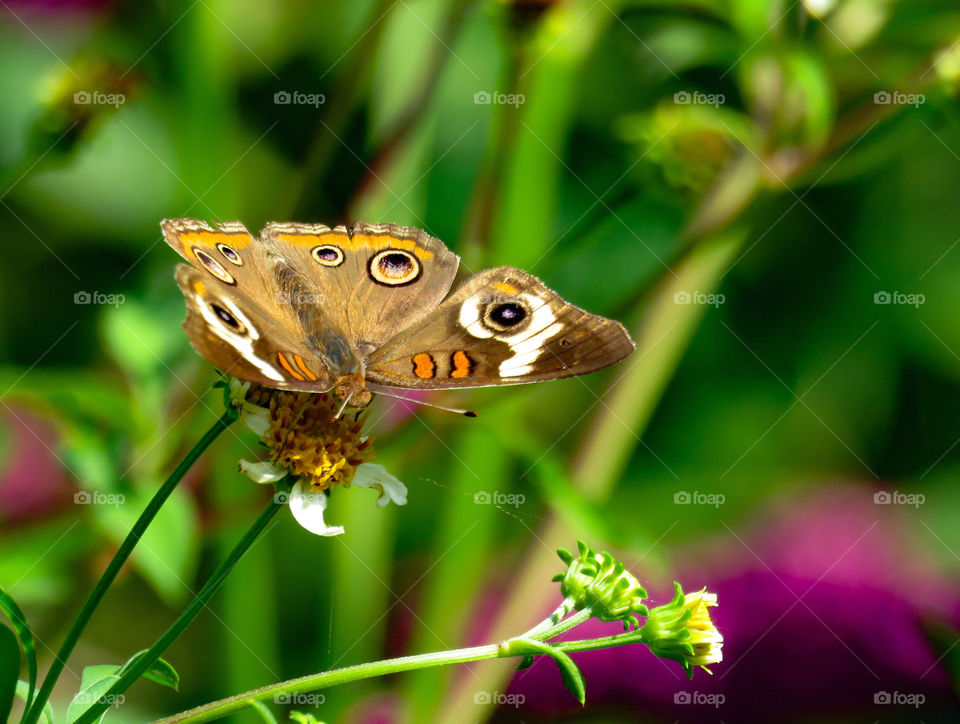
(683, 632)
(599, 582)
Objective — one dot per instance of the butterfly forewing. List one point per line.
(240, 312)
(374, 279)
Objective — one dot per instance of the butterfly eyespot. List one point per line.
(213, 266)
(230, 254)
(505, 316)
(228, 319)
(395, 267)
(327, 255)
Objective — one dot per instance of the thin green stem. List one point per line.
(629, 637)
(564, 626)
(186, 618)
(285, 689)
(217, 709)
(565, 607)
(120, 558)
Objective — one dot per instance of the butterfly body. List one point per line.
(314, 308)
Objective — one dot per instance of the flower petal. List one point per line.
(308, 507)
(255, 417)
(264, 472)
(238, 390)
(372, 475)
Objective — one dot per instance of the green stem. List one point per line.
(186, 618)
(120, 558)
(217, 709)
(565, 626)
(286, 689)
(629, 637)
(550, 621)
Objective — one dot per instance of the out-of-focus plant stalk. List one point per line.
(482, 213)
(120, 558)
(407, 118)
(326, 138)
(145, 661)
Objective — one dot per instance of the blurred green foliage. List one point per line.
(730, 147)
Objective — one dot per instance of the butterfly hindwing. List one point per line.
(237, 317)
(503, 326)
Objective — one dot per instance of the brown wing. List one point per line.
(374, 279)
(502, 327)
(246, 310)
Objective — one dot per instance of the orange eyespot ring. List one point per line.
(213, 266)
(327, 255)
(230, 254)
(394, 267)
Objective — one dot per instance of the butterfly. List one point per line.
(313, 308)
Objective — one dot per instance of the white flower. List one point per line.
(308, 505)
(253, 416)
(314, 445)
(372, 475)
(263, 472)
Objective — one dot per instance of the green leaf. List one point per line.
(94, 683)
(572, 676)
(25, 635)
(23, 691)
(300, 718)
(160, 672)
(167, 553)
(97, 680)
(525, 663)
(9, 670)
(138, 335)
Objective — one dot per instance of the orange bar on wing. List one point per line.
(299, 360)
(288, 368)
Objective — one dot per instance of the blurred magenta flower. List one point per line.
(824, 612)
(32, 481)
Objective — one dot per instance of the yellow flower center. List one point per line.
(306, 438)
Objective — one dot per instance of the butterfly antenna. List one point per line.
(456, 410)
